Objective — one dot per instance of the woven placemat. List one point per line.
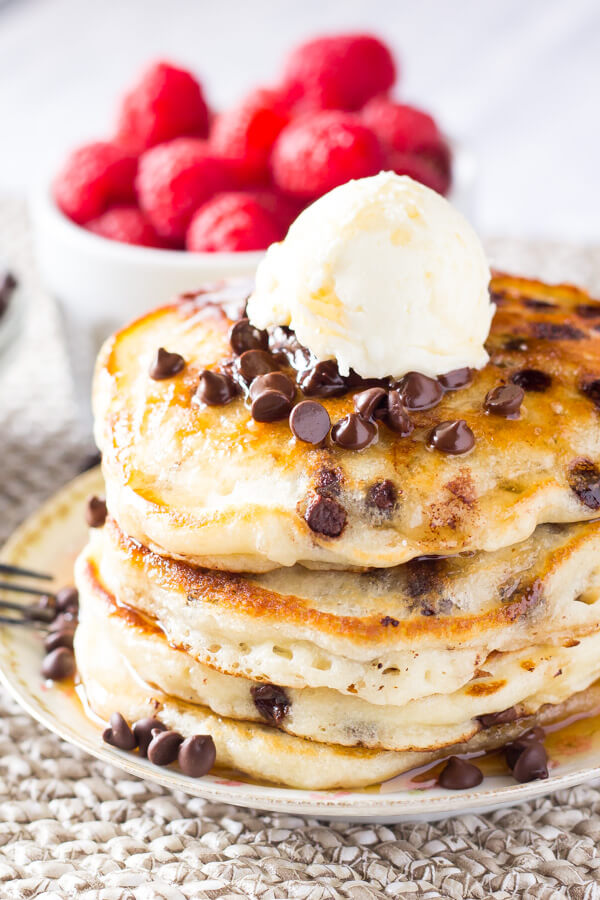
(74, 827)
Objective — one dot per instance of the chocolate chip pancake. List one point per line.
(387, 636)
(521, 680)
(416, 657)
(202, 464)
(124, 664)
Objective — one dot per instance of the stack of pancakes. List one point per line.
(336, 616)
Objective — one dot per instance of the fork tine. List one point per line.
(6, 569)
(33, 615)
(21, 589)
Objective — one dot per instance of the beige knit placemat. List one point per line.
(72, 827)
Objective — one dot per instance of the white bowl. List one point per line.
(103, 283)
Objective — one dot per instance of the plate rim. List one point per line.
(335, 804)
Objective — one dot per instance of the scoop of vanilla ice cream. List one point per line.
(383, 275)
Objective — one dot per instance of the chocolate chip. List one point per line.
(588, 310)
(459, 774)
(504, 400)
(451, 437)
(397, 417)
(95, 513)
(197, 755)
(310, 422)
(325, 516)
(419, 391)
(372, 403)
(253, 363)
(329, 482)
(498, 718)
(269, 406)
(215, 388)
(456, 379)
(271, 701)
(388, 620)
(353, 432)
(322, 380)
(517, 344)
(591, 389)
(66, 619)
(62, 638)
(273, 381)
(59, 664)
(166, 364)
(119, 734)
(244, 336)
(531, 763)
(285, 345)
(46, 609)
(513, 750)
(164, 747)
(584, 480)
(383, 495)
(532, 380)
(67, 598)
(144, 730)
(8, 283)
(556, 331)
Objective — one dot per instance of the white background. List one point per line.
(518, 81)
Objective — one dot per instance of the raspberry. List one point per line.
(247, 132)
(407, 133)
(166, 103)
(126, 224)
(318, 151)
(174, 180)
(283, 209)
(232, 222)
(338, 72)
(421, 169)
(400, 127)
(93, 177)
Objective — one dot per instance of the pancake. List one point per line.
(387, 636)
(524, 681)
(211, 485)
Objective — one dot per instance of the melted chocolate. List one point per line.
(353, 432)
(454, 437)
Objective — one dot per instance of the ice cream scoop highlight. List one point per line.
(383, 275)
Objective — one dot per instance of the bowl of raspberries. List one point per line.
(180, 194)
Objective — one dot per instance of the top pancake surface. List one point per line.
(212, 485)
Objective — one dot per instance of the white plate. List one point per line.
(50, 539)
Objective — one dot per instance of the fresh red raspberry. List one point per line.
(126, 224)
(406, 133)
(399, 126)
(318, 151)
(421, 169)
(283, 209)
(94, 177)
(174, 180)
(232, 222)
(166, 103)
(338, 72)
(247, 132)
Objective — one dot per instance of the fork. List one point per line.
(33, 614)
